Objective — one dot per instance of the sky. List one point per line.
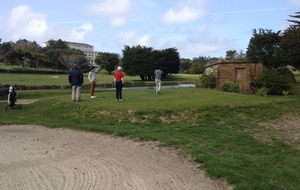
(194, 27)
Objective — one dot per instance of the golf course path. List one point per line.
(40, 158)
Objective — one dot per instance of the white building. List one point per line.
(87, 49)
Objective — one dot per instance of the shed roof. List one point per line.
(228, 62)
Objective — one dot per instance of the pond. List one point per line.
(150, 87)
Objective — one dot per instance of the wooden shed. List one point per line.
(240, 73)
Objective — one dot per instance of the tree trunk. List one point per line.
(37, 63)
(21, 63)
(142, 77)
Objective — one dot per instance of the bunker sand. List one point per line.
(40, 158)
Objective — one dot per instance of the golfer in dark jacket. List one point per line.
(76, 81)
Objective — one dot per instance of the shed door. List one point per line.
(240, 78)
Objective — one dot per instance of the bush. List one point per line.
(262, 91)
(20, 71)
(275, 80)
(228, 87)
(3, 93)
(206, 81)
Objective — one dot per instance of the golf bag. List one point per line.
(12, 98)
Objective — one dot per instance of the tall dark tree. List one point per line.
(290, 47)
(135, 60)
(198, 65)
(185, 64)
(28, 46)
(17, 57)
(53, 44)
(109, 61)
(142, 61)
(4, 48)
(171, 60)
(233, 55)
(290, 44)
(263, 47)
(68, 57)
(53, 49)
(296, 16)
(53, 55)
(40, 59)
(156, 60)
(195, 69)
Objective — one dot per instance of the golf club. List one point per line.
(100, 91)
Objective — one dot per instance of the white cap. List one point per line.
(119, 68)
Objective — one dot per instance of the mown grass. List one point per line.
(49, 79)
(62, 79)
(103, 77)
(211, 127)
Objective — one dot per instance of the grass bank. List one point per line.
(211, 127)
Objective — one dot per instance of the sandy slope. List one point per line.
(38, 158)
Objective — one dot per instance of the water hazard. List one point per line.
(150, 87)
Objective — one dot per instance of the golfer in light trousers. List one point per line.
(158, 75)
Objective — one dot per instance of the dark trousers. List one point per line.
(119, 87)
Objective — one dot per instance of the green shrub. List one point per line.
(285, 93)
(206, 81)
(262, 91)
(138, 83)
(21, 71)
(229, 87)
(275, 80)
(3, 93)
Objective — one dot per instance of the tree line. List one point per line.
(56, 55)
(271, 48)
(276, 50)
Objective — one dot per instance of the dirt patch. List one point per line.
(24, 101)
(38, 158)
(27, 101)
(286, 129)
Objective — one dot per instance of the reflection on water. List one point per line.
(150, 87)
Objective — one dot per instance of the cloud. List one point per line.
(24, 23)
(201, 42)
(185, 11)
(78, 34)
(1, 25)
(295, 4)
(132, 39)
(198, 47)
(118, 21)
(117, 10)
(203, 47)
(250, 11)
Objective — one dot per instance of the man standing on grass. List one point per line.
(158, 75)
(76, 81)
(92, 79)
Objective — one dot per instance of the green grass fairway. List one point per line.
(62, 79)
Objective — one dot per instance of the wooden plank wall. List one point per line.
(225, 72)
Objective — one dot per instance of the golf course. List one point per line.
(247, 140)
